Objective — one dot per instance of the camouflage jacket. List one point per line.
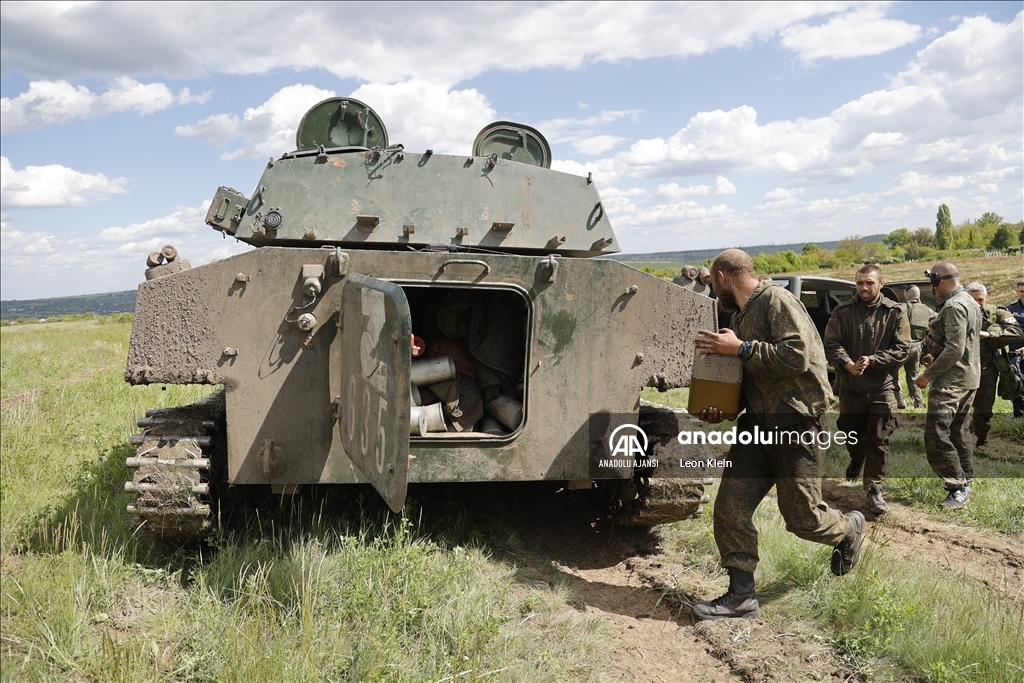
(1000, 323)
(919, 315)
(879, 331)
(785, 379)
(955, 330)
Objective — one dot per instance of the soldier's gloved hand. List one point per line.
(926, 360)
(711, 414)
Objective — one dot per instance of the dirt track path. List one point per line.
(624, 577)
(995, 563)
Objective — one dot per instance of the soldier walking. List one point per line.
(998, 329)
(918, 315)
(953, 360)
(867, 341)
(785, 386)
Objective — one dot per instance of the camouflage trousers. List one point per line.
(911, 368)
(795, 471)
(947, 435)
(983, 402)
(872, 419)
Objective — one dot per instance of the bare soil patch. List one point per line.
(32, 395)
(29, 396)
(625, 577)
(641, 590)
(995, 563)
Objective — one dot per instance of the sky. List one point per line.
(705, 125)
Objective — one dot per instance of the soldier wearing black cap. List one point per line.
(953, 360)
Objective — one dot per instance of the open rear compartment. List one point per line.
(469, 354)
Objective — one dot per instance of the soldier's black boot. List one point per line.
(875, 500)
(853, 470)
(846, 555)
(739, 601)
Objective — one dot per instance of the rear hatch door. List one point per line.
(373, 418)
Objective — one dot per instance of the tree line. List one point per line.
(987, 234)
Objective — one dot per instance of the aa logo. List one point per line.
(628, 443)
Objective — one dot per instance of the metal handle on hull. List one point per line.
(474, 262)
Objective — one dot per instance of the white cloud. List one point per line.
(723, 140)
(604, 170)
(922, 184)
(924, 115)
(266, 130)
(114, 257)
(576, 129)
(911, 182)
(780, 198)
(780, 193)
(597, 144)
(423, 115)
(54, 102)
(863, 31)
(882, 140)
(674, 191)
(444, 43)
(418, 114)
(893, 212)
(53, 185)
(976, 67)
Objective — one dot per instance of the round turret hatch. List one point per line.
(513, 141)
(341, 122)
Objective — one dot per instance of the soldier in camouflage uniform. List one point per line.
(918, 315)
(785, 388)
(867, 341)
(1016, 351)
(953, 359)
(998, 329)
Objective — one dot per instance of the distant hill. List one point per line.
(124, 302)
(101, 304)
(695, 256)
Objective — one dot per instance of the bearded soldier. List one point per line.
(953, 360)
(867, 340)
(785, 386)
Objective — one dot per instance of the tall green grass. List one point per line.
(322, 587)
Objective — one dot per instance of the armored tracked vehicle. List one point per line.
(406, 317)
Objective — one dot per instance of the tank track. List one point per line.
(180, 452)
(648, 501)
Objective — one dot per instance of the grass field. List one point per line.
(334, 587)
